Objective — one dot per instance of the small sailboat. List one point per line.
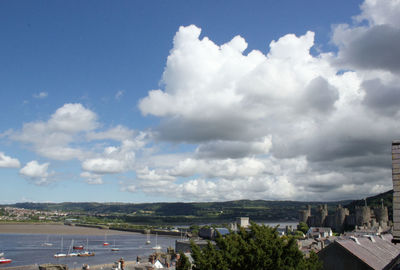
(4, 260)
(157, 247)
(86, 253)
(114, 248)
(71, 253)
(148, 242)
(47, 243)
(105, 241)
(60, 254)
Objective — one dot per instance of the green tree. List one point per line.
(259, 248)
(194, 229)
(303, 227)
(183, 262)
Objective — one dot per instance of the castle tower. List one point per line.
(321, 215)
(396, 190)
(340, 218)
(305, 214)
(363, 215)
(381, 215)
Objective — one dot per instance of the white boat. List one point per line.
(47, 243)
(86, 253)
(60, 254)
(105, 241)
(70, 253)
(148, 242)
(157, 247)
(114, 248)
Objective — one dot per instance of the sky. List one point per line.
(165, 101)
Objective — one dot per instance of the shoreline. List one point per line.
(128, 265)
(60, 229)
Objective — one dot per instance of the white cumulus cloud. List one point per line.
(8, 162)
(52, 138)
(36, 172)
(283, 123)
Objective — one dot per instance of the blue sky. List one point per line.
(144, 101)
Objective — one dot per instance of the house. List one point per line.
(212, 233)
(319, 232)
(368, 252)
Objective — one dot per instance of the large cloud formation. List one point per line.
(284, 124)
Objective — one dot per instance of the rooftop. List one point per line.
(376, 251)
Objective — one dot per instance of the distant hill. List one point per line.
(202, 212)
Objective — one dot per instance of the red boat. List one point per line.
(3, 260)
(78, 247)
(106, 244)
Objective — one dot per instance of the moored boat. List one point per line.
(80, 247)
(70, 250)
(86, 254)
(4, 260)
(148, 242)
(72, 254)
(105, 243)
(157, 247)
(47, 243)
(61, 254)
(114, 248)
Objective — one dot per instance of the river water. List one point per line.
(26, 249)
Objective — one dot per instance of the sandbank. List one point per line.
(55, 229)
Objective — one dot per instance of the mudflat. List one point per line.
(55, 229)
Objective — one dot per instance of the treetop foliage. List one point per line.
(261, 247)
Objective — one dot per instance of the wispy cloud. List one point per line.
(119, 94)
(41, 95)
(8, 162)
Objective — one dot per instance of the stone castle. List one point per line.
(364, 217)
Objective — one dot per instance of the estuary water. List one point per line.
(27, 249)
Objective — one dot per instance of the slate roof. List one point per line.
(376, 251)
(320, 229)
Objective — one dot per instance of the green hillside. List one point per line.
(202, 212)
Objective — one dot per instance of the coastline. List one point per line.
(60, 229)
(128, 265)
